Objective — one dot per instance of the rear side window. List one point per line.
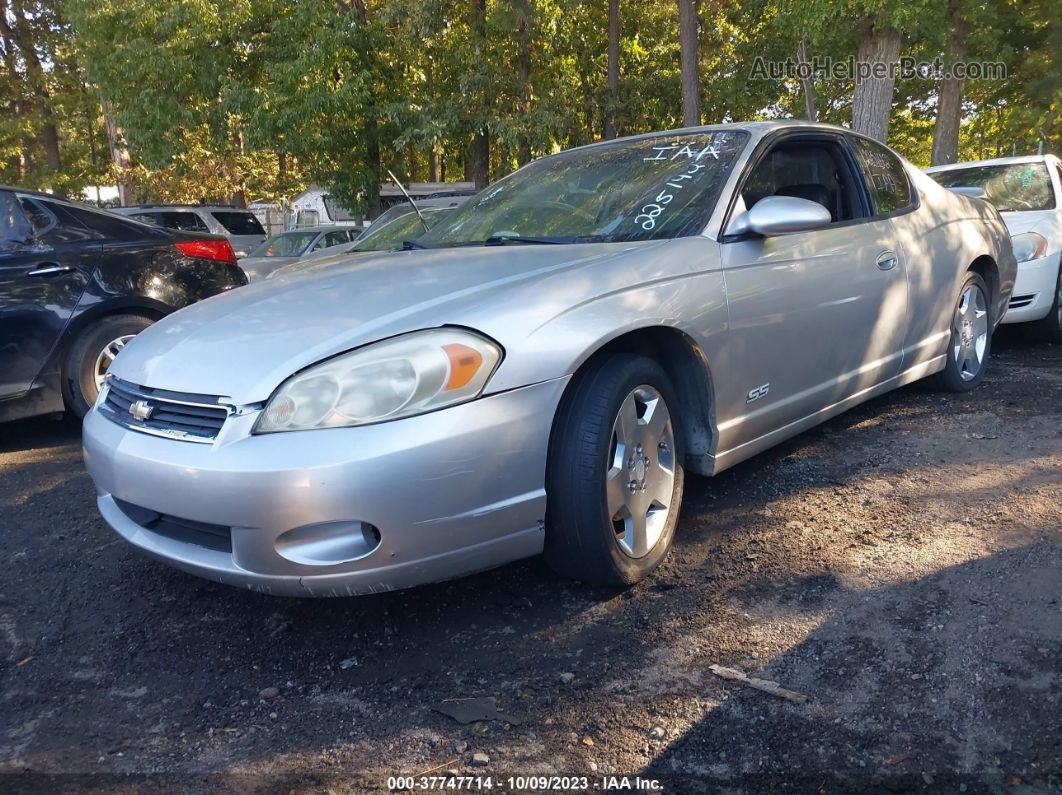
(238, 223)
(185, 221)
(49, 224)
(106, 225)
(886, 177)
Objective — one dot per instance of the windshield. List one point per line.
(238, 223)
(644, 189)
(1012, 187)
(287, 245)
(390, 234)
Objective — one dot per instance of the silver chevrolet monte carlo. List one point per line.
(541, 371)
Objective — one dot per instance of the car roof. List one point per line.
(995, 161)
(225, 207)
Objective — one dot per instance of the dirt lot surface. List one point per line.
(900, 566)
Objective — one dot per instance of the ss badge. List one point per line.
(758, 392)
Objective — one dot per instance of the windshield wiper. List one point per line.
(409, 245)
(505, 240)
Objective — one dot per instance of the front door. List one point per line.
(816, 316)
(44, 268)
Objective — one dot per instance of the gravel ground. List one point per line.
(900, 566)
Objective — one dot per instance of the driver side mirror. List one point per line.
(781, 215)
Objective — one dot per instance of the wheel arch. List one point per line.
(985, 266)
(687, 366)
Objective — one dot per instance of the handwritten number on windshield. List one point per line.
(648, 214)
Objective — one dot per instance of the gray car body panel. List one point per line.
(812, 314)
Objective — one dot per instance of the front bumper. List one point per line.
(451, 492)
(1034, 289)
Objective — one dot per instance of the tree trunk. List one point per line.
(611, 130)
(480, 166)
(523, 81)
(119, 156)
(689, 58)
(372, 160)
(433, 165)
(872, 100)
(807, 83)
(949, 95)
(22, 35)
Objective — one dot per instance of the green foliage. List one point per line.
(258, 98)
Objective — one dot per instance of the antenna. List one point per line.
(409, 199)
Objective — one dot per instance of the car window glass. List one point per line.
(886, 177)
(15, 229)
(812, 170)
(146, 218)
(106, 225)
(49, 228)
(39, 219)
(335, 239)
(185, 221)
(1011, 187)
(238, 223)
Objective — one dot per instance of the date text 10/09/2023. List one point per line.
(525, 783)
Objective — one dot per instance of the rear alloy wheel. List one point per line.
(90, 356)
(615, 476)
(1050, 327)
(971, 338)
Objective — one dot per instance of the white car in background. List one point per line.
(1027, 191)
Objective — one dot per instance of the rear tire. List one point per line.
(614, 479)
(970, 343)
(1049, 328)
(90, 354)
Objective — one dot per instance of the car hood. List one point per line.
(242, 344)
(1041, 221)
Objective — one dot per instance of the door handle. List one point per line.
(50, 269)
(887, 260)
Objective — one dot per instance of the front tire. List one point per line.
(1049, 328)
(90, 355)
(970, 343)
(615, 477)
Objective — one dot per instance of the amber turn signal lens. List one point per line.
(464, 364)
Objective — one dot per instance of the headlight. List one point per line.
(395, 378)
(1028, 246)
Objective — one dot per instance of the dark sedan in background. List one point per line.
(77, 283)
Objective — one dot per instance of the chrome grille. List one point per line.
(175, 415)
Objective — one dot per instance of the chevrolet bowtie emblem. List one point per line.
(141, 410)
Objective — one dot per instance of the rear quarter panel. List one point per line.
(940, 240)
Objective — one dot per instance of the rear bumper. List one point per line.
(451, 492)
(1034, 289)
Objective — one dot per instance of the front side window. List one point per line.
(886, 177)
(805, 169)
(238, 223)
(650, 188)
(1011, 187)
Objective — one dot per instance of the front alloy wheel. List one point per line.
(614, 479)
(641, 481)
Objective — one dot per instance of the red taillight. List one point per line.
(218, 250)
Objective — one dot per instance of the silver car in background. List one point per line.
(240, 227)
(400, 226)
(1028, 193)
(290, 246)
(539, 375)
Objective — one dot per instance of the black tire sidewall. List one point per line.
(78, 381)
(580, 541)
